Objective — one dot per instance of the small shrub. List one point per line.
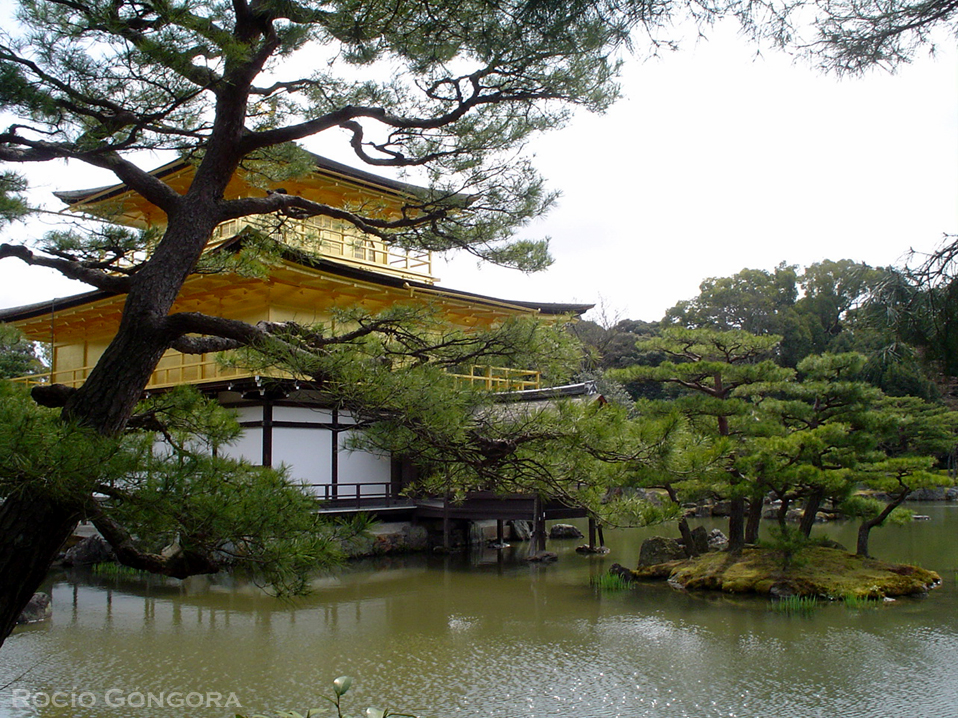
(789, 542)
(856, 603)
(796, 605)
(608, 582)
(116, 570)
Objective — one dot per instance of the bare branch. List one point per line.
(68, 268)
(478, 96)
(301, 208)
(180, 564)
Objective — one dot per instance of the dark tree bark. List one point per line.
(864, 530)
(36, 528)
(783, 512)
(736, 524)
(812, 504)
(755, 506)
(686, 532)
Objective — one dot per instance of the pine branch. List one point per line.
(68, 268)
(180, 564)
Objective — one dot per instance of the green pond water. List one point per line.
(488, 636)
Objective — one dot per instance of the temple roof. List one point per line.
(324, 165)
(327, 173)
(332, 267)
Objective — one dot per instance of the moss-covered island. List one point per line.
(816, 571)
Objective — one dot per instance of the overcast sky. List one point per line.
(715, 161)
(718, 160)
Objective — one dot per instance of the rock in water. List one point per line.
(660, 549)
(598, 550)
(38, 609)
(91, 550)
(564, 531)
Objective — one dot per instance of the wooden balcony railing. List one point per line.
(335, 239)
(357, 497)
(497, 378)
(184, 372)
(177, 369)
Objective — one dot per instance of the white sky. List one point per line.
(715, 161)
(718, 160)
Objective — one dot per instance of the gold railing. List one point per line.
(497, 378)
(178, 369)
(163, 377)
(336, 239)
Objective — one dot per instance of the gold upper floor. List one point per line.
(340, 267)
(336, 240)
(79, 330)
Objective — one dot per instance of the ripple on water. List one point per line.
(517, 644)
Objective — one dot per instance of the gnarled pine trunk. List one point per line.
(36, 525)
(755, 506)
(812, 504)
(864, 530)
(34, 528)
(736, 524)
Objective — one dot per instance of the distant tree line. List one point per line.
(904, 321)
(824, 388)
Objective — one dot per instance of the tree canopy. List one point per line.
(445, 93)
(850, 37)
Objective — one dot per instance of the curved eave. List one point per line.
(31, 311)
(331, 169)
(410, 287)
(433, 290)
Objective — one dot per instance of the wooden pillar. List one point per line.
(267, 433)
(591, 533)
(446, 528)
(601, 537)
(539, 524)
(334, 456)
(500, 532)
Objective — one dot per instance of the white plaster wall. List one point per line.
(360, 467)
(306, 452)
(248, 413)
(249, 446)
(302, 413)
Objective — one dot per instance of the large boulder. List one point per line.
(521, 530)
(700, 539)
(91, 550)
(931, 494)
(38, 609)
(564, 531)
(660, 549)
(717, 540)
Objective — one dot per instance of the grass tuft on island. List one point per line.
(823, 572)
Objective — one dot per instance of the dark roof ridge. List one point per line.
(326, 265)
(322, 163)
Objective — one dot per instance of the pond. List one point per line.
(491, 636)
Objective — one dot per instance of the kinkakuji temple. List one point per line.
(324, 264)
